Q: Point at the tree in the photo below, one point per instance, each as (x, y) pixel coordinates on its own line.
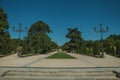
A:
(108, 44)
(24, 50)
(54, 46)
(76, 41)
(117, 48)
(96, 48)
(39, 41)
(114, 36)
(4, 34)
(3, 21)
(89, 47)
(112, 45)
(13, 44)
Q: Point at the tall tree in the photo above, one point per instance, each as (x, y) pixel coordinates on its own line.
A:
(39, 41)
(76, 41)
(3, 21)
(4, 34)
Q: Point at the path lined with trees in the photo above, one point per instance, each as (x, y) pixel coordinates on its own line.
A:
(43, 61)
(77, 44)
(38, 42)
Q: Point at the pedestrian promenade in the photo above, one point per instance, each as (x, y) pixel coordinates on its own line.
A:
(41, 61)
(38, 67)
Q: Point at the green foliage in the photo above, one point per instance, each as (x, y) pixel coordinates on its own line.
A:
(114, 36)
(89, 47)
(38, 41)
(4, 34)
(109, 42)
(53, 46)
(3, 21)
(61, 55)
(112, 45)
(76, 41)
(24, 48)
(96, 48)
(13, 44)
(117, 48)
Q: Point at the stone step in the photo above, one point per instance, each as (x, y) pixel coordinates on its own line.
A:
(51, 75)
(108, 79)
(59, 71)
(48, 79)
(61, 74)
(57, 74)
(60, 79)
(3, 72)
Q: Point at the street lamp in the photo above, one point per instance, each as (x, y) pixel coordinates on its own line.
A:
(101, 30)
(19, 30)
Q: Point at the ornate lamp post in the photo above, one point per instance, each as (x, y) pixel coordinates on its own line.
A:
(101, 31)
(19, 30)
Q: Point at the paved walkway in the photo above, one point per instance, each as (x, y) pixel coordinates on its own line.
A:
(108, 61)
(14, 60)
(41, 61)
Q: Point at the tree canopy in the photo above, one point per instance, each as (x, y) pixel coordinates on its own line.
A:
(38, 40)
(76, 41)
(4, 34)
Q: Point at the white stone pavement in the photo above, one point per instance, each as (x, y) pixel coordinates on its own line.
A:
(41, 61)
(108, 61)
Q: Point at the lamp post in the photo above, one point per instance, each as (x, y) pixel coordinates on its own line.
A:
(19, 30)
(101, 31)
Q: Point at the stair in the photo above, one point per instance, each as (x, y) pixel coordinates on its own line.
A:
(58, 74)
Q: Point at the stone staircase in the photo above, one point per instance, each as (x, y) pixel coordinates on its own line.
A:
(57, 74)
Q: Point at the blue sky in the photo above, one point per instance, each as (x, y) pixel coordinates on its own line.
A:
(63, 14)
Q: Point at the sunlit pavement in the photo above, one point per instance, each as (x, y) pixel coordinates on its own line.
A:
(41, 61)
(107, 61)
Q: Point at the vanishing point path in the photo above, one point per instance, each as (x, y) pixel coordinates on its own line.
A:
(39, 68)
(41, 61)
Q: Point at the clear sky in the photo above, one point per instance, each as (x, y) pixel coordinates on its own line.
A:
(63, 14)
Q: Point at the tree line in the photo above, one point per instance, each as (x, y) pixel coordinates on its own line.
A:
(37, 41)
(77, 44)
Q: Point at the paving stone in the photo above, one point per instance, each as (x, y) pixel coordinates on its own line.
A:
(59, 74)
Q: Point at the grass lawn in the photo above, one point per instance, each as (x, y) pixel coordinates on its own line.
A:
(61, 55)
